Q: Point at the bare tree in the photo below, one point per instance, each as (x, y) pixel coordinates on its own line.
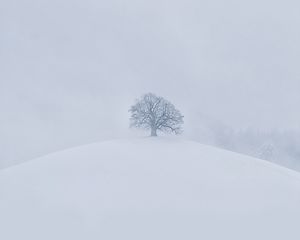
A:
(267, 152)
(154, 113)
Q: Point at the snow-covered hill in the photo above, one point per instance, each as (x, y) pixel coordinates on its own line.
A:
(142, 189)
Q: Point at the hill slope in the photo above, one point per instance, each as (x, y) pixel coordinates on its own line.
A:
(148, 189)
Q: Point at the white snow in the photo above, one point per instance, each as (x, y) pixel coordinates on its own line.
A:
(149, 188)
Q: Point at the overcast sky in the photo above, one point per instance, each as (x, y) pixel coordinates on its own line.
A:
(69, 70)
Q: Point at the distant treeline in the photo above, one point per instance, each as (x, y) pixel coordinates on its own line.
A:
(281, 147)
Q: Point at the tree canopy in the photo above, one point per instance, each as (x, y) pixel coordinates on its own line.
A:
(155, 113)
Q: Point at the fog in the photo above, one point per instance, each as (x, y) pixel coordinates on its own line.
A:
(69, 70)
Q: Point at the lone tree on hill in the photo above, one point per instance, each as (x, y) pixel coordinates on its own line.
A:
(155, 113)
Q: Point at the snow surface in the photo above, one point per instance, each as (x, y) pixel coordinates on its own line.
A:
(150, 188)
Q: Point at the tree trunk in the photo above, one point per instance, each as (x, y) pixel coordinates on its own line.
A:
(153, 132)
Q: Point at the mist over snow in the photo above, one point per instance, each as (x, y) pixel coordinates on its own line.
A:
(70, 70)
(83, 85)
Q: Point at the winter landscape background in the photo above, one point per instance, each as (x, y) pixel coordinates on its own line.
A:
(69, 71)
